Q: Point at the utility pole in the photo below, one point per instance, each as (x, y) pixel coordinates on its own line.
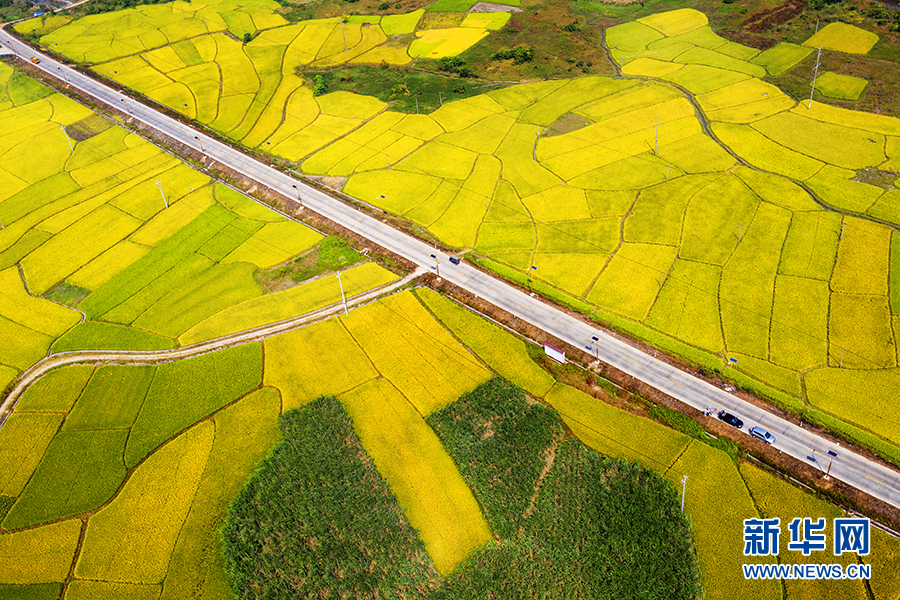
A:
(63, 127)
(683, 488)
(417, 105)
(159, 185)
(833, 455)
(344, 298)
(441, 98)
(127, 107)
(299, 198)
(815, 74)
(531, 278)
(596, 342)
(197, 137)
(63, 73)
(656, 143)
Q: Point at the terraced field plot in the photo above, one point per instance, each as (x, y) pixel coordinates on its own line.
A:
(90, 229)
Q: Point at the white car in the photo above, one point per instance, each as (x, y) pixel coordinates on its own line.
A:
(761, 434)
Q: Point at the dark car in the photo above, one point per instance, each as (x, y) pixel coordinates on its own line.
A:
(761, 434)
(730, 419)
(454, 260)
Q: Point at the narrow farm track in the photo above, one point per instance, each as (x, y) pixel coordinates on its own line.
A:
(160, 356)
(872, 477)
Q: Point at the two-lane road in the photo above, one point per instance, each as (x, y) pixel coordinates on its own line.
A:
(867, 475)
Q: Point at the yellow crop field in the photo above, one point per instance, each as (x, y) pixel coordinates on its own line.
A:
(700, 78)
(401, 24)
(799, 335)
(410, 349)
(502, 351)
(572, 272)
(811, 245)
(615, 432)
(440, 160)
(101, 269)
(843, 37)
(41, 555)
(714, 58)
(882, 124)
(559, 203)
(303, 368)
(435, 498)
(519, 167)
(676, 22)
(438, 43)
(860, 331)
(650, 67)
(855, 149)
(461, 114)
(861, 396)
(630, 284)
(781, 378)
(67, 252)
(395, 191)
(35, 313)
(23, 440)
(632, 37)
(688, 305)
(763, 153)
(458, 225)
(842, 87)
(131, 539)
(288, 303)
(484, 136)
(862, 258)
(835, 187)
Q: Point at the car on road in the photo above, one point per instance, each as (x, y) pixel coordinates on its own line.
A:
(761, 434)
(454, 260)
(730, 419)
(35, 60)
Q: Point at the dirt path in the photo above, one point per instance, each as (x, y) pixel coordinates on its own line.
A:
(140, 357)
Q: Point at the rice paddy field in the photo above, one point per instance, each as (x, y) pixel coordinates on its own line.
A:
(93, 259)
(128, 471)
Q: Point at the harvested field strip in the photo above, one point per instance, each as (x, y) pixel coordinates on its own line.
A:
(410, 349)
(408, 454)
(131, 539)
(502, 351)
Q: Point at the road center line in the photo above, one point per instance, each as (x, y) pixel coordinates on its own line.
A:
(675, 382)
(631, 361)
(875, 480)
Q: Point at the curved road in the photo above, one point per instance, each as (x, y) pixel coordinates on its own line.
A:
(867, 475)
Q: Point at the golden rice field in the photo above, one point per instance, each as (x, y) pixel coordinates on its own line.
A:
(91, 257)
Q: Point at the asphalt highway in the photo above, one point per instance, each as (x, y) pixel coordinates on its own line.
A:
(867, 475)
